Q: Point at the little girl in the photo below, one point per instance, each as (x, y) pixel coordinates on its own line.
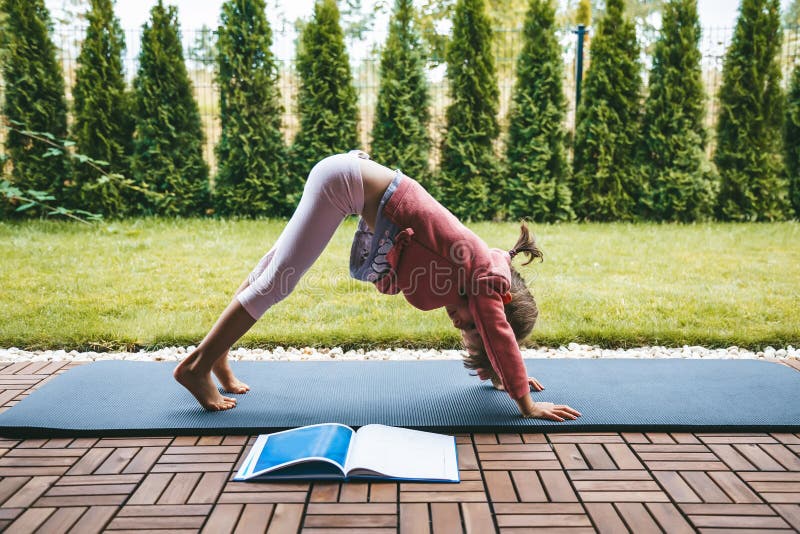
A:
(406, 241)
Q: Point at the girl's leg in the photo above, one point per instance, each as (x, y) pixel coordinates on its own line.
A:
(222, 369)
(333, 190)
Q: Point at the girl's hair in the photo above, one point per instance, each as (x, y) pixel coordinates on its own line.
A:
(521, 312)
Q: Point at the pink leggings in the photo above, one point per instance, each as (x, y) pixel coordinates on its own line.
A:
(334, 189)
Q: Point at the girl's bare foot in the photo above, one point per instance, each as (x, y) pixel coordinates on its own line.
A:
(200, 385)
(224, 374)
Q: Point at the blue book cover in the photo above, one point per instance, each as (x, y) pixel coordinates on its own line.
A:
(335, 451)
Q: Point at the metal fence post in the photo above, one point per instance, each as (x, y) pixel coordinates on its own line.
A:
(581, 32)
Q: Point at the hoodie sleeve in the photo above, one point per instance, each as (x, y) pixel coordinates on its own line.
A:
(486, 306)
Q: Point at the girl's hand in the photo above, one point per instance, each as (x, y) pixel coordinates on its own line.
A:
(535, 384)
(531, 381)
(546, 410)
(554, 412)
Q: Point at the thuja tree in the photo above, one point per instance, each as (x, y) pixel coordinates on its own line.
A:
(103, 126)
(326, 100)
(251, 155)
(536, 184)
(168, 155)
(400, 132)
(469, 169)
(748, 154)
(606, 185)
(791, 140)
(679, 176)
(33, 98)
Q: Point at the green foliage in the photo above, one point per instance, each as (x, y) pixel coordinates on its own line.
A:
(469, 168)
(33, 96)
(748, 155)
(583, 14)
(676, 170)
(791, 140)
(327, 100)
(400, 132)
(606, 186)
(204, 48)
(356, 21)
(30, 200)
(536, 186)
(103, 126)
(251, 154)
(168, 146)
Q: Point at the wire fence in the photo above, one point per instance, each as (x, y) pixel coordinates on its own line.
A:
(365, 63)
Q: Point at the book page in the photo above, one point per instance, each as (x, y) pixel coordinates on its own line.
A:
(403, 453)
(327, 442)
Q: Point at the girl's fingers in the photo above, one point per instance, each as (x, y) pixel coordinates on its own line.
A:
(568, 415)
(535, 384)
(567, 409)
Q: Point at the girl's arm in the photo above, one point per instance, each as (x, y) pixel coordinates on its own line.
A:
(486, 306)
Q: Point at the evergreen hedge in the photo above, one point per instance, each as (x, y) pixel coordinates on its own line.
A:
(536, 185)
(470, 175)
(400, 133)
(748, 154)
(327, 102)
(103, 126)
(33, 97)
(679, 176)
(606, 186)
(791, 140)
(251, 155)
(168, 157)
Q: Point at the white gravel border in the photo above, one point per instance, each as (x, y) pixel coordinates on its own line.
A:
(573, 350)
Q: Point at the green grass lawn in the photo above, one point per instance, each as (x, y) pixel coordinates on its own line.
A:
(154, 282)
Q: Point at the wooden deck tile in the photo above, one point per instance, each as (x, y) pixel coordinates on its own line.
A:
(606, 518)
(637, 517)
(758, 457)
(732, 485)
(94, 519)
(596, 456)
(179, 488)
(30, 520)
(30, 491)
(208, 488)
(557, 486)
(705, 487)
(529, 486)
(790, 513)
(254, 518)
(414, 518)
(383, 492)
(446, 518)
(677, 488)
(570, 456)
(223, 518)
(500, 486)
(286, 518)
(669, 518)
(62, 520)
(354, 492)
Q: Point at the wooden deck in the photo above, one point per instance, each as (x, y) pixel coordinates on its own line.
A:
(598, 482)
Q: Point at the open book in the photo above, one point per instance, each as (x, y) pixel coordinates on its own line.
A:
(334, 451)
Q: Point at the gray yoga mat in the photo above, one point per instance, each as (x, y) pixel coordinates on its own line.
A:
(117, 398)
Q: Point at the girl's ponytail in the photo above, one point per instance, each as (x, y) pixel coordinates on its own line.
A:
(526, 244)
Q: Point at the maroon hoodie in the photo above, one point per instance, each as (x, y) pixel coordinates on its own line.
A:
(437, 261)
